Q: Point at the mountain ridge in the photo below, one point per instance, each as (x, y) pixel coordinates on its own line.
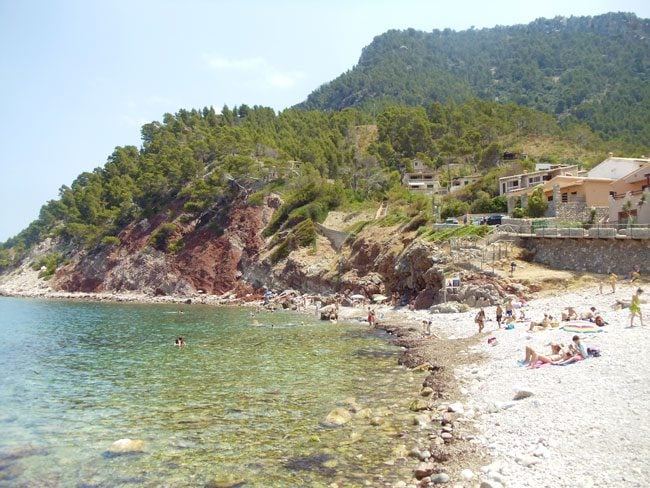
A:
(578, 68)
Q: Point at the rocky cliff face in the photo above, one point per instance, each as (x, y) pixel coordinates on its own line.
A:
(210, 258)
(224, 251)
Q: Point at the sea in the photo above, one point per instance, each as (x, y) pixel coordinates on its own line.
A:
(242, 404)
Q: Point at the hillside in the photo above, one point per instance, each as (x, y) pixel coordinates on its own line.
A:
(591, 69)
(219, 201)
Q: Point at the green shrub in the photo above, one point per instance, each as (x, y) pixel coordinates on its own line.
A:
(302, 235)
(459, 231)
(175, 246)
(111, 241)
(418, 222)
(160, 238)
(518, 213)
(46, 265)
(194, 206)
(394, 218)
(256, 199)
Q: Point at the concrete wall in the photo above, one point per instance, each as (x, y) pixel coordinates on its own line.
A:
(591, 255)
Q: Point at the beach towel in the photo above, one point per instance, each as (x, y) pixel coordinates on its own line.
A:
(580, 326)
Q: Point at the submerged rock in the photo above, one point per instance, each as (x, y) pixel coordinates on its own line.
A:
(337, 417)
(124, 446)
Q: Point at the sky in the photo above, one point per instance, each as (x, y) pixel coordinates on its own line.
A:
(80, 77)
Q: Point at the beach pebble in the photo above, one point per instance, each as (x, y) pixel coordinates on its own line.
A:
(526, 460)
(421, 420)
(419, 405)
(541, 451)
(456, 408)
(521, 394)
(423, 470)
(490, 484)
(440, 478)
(426, 391)
(467, 474)
(364, 413)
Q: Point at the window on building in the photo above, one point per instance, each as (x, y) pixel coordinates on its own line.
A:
(565, 197)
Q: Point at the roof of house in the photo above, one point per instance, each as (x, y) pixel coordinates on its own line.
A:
(562, 181)
(616, 168)
(638, 174)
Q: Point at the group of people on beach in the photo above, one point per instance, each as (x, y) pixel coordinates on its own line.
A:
(559, 355)
(507, 317)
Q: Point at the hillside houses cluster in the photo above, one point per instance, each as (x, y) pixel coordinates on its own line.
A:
(616, 191)
(426, 180)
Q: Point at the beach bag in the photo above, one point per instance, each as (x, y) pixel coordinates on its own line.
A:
(593, 352)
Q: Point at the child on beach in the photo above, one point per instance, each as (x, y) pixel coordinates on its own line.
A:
(499, 313)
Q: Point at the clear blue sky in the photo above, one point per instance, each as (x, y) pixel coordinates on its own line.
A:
(79, 77)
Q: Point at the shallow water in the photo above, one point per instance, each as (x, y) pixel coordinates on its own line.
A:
(241, 403)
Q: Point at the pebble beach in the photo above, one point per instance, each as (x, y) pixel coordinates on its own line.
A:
(580, 425)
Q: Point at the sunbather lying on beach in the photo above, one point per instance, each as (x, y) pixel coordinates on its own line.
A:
(570, 314)
(544, 324)
(533, 357)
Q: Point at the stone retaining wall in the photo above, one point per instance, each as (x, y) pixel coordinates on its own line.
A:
(591, 255)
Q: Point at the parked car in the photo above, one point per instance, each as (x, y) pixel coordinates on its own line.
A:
(451, 221)
(494, 219)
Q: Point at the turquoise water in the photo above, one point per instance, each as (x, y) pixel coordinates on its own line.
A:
(240, 405)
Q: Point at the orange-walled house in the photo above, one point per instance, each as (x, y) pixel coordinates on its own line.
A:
(570, 197)
(629, 197)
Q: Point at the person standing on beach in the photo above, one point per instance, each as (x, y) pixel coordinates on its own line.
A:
(613, 279)
(499, 313)
(480, 320)
(509, 308)
(635, 307)
(371, 317)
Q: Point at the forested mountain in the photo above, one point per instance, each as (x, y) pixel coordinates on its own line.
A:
(593, 69)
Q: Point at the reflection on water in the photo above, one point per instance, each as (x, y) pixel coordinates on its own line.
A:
(241, 404)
